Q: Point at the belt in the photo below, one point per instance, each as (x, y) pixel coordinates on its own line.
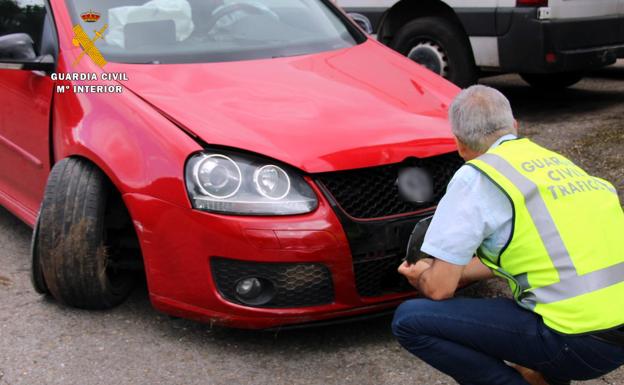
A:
(615, 337)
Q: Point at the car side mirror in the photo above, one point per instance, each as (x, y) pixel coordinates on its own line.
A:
(363, 21)
(17, 51)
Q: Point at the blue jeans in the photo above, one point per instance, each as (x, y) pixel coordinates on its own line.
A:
(468, 339)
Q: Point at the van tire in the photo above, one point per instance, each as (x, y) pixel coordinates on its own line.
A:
(71, 241)
(436, 33)
(555, 81)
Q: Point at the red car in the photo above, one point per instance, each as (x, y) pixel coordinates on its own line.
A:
(262, 162)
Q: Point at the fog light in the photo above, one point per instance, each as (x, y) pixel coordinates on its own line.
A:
(255, 291)
(249, 288)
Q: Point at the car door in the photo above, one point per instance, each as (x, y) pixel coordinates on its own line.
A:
(25, 107)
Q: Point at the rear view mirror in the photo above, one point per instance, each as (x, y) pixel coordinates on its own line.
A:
(17, 51)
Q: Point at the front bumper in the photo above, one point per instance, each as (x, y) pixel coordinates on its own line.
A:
(530, 45)
(180, 244)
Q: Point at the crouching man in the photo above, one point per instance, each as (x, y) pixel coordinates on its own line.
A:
(538, 220)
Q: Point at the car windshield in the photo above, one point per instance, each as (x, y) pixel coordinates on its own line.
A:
(191, 31)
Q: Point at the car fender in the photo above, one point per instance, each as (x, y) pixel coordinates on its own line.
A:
(139, 149)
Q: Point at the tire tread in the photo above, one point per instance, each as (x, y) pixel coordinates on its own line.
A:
(71, 237)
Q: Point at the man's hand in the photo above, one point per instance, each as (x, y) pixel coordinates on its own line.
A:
(433, 278)
(413, 271)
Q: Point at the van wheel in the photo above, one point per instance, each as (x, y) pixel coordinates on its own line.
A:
(439, 45)
(554, 81)
(72, 246)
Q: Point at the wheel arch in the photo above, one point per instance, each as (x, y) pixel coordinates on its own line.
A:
(137, 149)
(116, 202)
(405, 11)
(108, 173)
(135, 146)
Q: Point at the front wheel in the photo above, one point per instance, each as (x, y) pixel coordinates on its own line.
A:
(36, 273)
(71, 243)
(439, 45)
(555, 81)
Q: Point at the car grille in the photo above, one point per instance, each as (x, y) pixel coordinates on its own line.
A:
(376, 273)
(296, 284)
(378, 246)
(372, 192)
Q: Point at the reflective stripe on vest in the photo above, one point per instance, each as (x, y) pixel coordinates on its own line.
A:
(572, 284)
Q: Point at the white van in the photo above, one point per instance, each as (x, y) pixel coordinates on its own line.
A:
(549, 42)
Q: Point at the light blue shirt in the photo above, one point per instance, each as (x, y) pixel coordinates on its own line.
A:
(474, 212)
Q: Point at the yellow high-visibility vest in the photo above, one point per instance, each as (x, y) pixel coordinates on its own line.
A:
(565, 257)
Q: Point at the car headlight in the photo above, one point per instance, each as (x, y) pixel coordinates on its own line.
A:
(230, 183)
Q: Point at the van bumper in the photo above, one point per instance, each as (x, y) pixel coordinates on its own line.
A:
(545, 46)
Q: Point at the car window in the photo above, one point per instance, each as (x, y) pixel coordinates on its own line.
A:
(186, 31)
(23, 16)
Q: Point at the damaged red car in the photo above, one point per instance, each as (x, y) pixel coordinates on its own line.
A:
(261, 162)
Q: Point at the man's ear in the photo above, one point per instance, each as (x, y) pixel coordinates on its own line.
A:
(516, 126)
(465, 152)
(462, 148)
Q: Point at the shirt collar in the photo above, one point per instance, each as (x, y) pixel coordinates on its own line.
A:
(502, 139)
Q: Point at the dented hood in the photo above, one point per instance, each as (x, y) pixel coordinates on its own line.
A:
(351, 108)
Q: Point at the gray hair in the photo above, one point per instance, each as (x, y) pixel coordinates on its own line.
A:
(479, 115)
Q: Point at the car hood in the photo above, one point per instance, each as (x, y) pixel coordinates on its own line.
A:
(351, 108)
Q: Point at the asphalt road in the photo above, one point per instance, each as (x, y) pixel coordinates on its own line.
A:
(43, 343)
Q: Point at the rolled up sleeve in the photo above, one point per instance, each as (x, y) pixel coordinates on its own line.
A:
(463, 219)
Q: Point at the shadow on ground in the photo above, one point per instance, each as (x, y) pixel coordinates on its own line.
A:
(532, 104)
